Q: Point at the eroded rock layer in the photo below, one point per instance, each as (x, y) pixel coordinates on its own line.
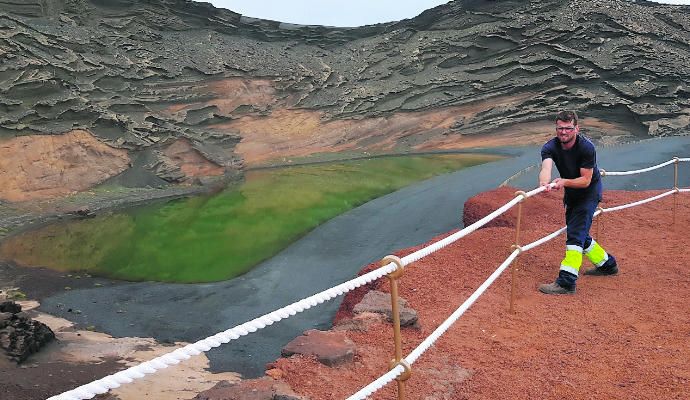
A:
(47, 166)
(179, 84)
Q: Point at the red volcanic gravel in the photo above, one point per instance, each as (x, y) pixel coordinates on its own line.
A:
(620, 337)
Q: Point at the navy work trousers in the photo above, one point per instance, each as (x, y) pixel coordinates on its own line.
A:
(578, 217)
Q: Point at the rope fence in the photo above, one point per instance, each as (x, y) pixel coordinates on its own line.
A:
(639, 171)
(427, 343)
(393, 268)
(639, 203)
(431, 339)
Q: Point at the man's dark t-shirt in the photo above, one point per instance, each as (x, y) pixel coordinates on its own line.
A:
(569, 162)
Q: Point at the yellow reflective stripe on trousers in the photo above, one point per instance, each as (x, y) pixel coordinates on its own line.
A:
(572, 261)
(596, 254)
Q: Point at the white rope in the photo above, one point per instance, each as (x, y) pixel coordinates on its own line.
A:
(639, 171)
(637, 203)
(684, 190)
(100, 386)
(382, 381)
(544, 239)
(550, 236)
(421, 253)
(538, 190)
(428, 342)
(683, 159)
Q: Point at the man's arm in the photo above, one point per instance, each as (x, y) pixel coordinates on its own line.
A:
(545, 173)
(578, 183)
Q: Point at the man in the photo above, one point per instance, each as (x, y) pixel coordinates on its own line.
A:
(576, 161)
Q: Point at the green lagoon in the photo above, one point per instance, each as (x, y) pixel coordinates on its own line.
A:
(216, 237)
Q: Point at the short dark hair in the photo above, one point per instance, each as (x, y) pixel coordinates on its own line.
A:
(567, 116)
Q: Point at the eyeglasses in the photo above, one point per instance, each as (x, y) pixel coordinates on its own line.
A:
(566, 128)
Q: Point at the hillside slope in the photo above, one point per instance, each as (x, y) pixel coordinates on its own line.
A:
(182, 91)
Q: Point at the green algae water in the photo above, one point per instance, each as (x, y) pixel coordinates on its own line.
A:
(217, 237)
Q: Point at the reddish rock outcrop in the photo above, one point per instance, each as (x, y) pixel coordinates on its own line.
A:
(191, 162)
(40, 167)
(330, 348)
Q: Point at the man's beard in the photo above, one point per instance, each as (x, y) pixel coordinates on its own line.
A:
(567, 141)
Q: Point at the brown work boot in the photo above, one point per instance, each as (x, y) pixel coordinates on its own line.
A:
(554, 288)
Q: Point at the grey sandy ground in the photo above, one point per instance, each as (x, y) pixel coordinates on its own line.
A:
(329, 255)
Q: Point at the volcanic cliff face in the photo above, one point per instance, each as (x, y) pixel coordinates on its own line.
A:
(178, 89)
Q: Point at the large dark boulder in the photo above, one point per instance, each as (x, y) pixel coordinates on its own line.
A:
(20, 336)
(10, 307)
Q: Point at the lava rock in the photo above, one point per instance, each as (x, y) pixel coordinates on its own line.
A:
(380, 303)
(20, 336)
(360, 322)
(10, 307)
(330, 348)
